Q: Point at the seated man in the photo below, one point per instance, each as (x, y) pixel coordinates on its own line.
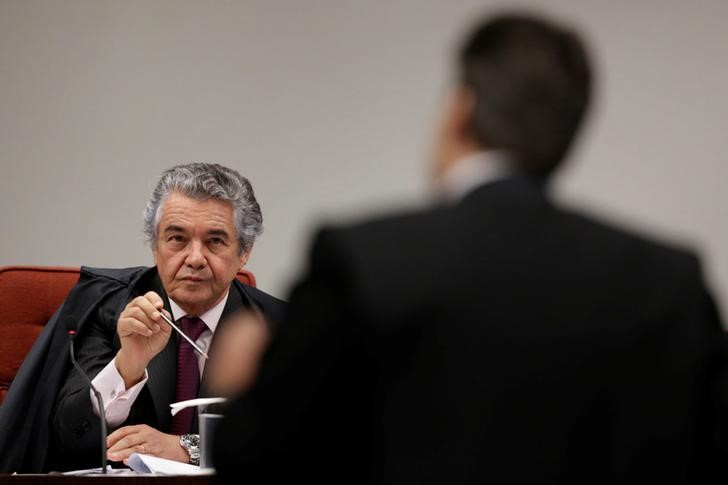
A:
(201, 222)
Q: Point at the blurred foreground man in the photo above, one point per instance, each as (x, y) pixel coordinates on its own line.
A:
(498, 338)
(201, 222)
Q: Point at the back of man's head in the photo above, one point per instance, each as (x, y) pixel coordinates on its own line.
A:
(531, 81)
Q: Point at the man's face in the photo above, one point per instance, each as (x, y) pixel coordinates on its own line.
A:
(196, 251)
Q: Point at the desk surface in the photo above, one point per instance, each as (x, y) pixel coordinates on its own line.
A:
(109, 479)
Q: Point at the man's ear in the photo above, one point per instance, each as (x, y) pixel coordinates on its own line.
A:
(461, 113)
(455, 138)
(245, 257)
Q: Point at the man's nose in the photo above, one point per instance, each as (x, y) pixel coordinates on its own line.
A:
(196, 256)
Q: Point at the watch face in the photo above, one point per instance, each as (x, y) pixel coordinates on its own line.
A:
(191, 440)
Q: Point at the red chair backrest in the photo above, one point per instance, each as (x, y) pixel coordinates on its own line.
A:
(29, 295)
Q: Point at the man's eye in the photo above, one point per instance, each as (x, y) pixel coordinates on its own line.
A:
(217, 241)
(176, 238)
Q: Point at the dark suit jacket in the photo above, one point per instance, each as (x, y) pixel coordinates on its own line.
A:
(61, 420)
(500, 340)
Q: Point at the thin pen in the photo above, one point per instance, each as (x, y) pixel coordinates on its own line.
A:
(179, 331)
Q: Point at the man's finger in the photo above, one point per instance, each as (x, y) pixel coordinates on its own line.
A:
(134, 326)
(124, 443)
(154, 299)
(149, 308)
(121, 433)
(119, 455)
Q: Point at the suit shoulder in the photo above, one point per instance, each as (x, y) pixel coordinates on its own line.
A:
(271, 306)
(260, 295)
(632, 250)
(389, 229)
(124, 276)
(603, 227)
(363, 252)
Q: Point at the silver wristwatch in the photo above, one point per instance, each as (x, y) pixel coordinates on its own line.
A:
(191, 444)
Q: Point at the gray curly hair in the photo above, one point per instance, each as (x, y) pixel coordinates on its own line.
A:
(204, 181)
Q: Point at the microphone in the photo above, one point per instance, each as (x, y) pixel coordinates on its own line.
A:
(72, 336)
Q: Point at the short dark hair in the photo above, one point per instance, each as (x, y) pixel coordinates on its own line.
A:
(532, 82)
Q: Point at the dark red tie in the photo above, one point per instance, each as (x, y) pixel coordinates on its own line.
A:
(188, 374)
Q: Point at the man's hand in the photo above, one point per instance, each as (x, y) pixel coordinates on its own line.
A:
(143, 335)
(239, 347)
(145, 440)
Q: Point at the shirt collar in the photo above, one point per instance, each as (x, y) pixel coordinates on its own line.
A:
(211, 317)
(473, 171)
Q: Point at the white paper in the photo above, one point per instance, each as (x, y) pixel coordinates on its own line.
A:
(153, 464)
(96, 471)
(203, 401)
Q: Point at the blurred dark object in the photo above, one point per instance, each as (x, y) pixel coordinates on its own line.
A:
(499, 339)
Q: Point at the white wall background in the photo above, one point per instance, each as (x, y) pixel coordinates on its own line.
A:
(328, 106)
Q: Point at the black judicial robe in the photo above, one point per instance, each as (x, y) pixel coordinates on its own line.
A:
(25, 428)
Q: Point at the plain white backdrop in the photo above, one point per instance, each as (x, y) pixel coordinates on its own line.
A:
(328, 107)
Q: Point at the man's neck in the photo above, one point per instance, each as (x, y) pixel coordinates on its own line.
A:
(471, 171)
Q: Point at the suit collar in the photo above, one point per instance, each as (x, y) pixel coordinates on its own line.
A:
(472, 171)
(516, 187)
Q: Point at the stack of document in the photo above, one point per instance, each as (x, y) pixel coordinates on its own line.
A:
(148, 465)
(153, 464)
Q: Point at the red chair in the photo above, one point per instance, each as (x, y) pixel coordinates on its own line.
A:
(29, 295)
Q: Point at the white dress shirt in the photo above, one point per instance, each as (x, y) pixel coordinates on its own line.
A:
(472, 171)
(117, 399)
